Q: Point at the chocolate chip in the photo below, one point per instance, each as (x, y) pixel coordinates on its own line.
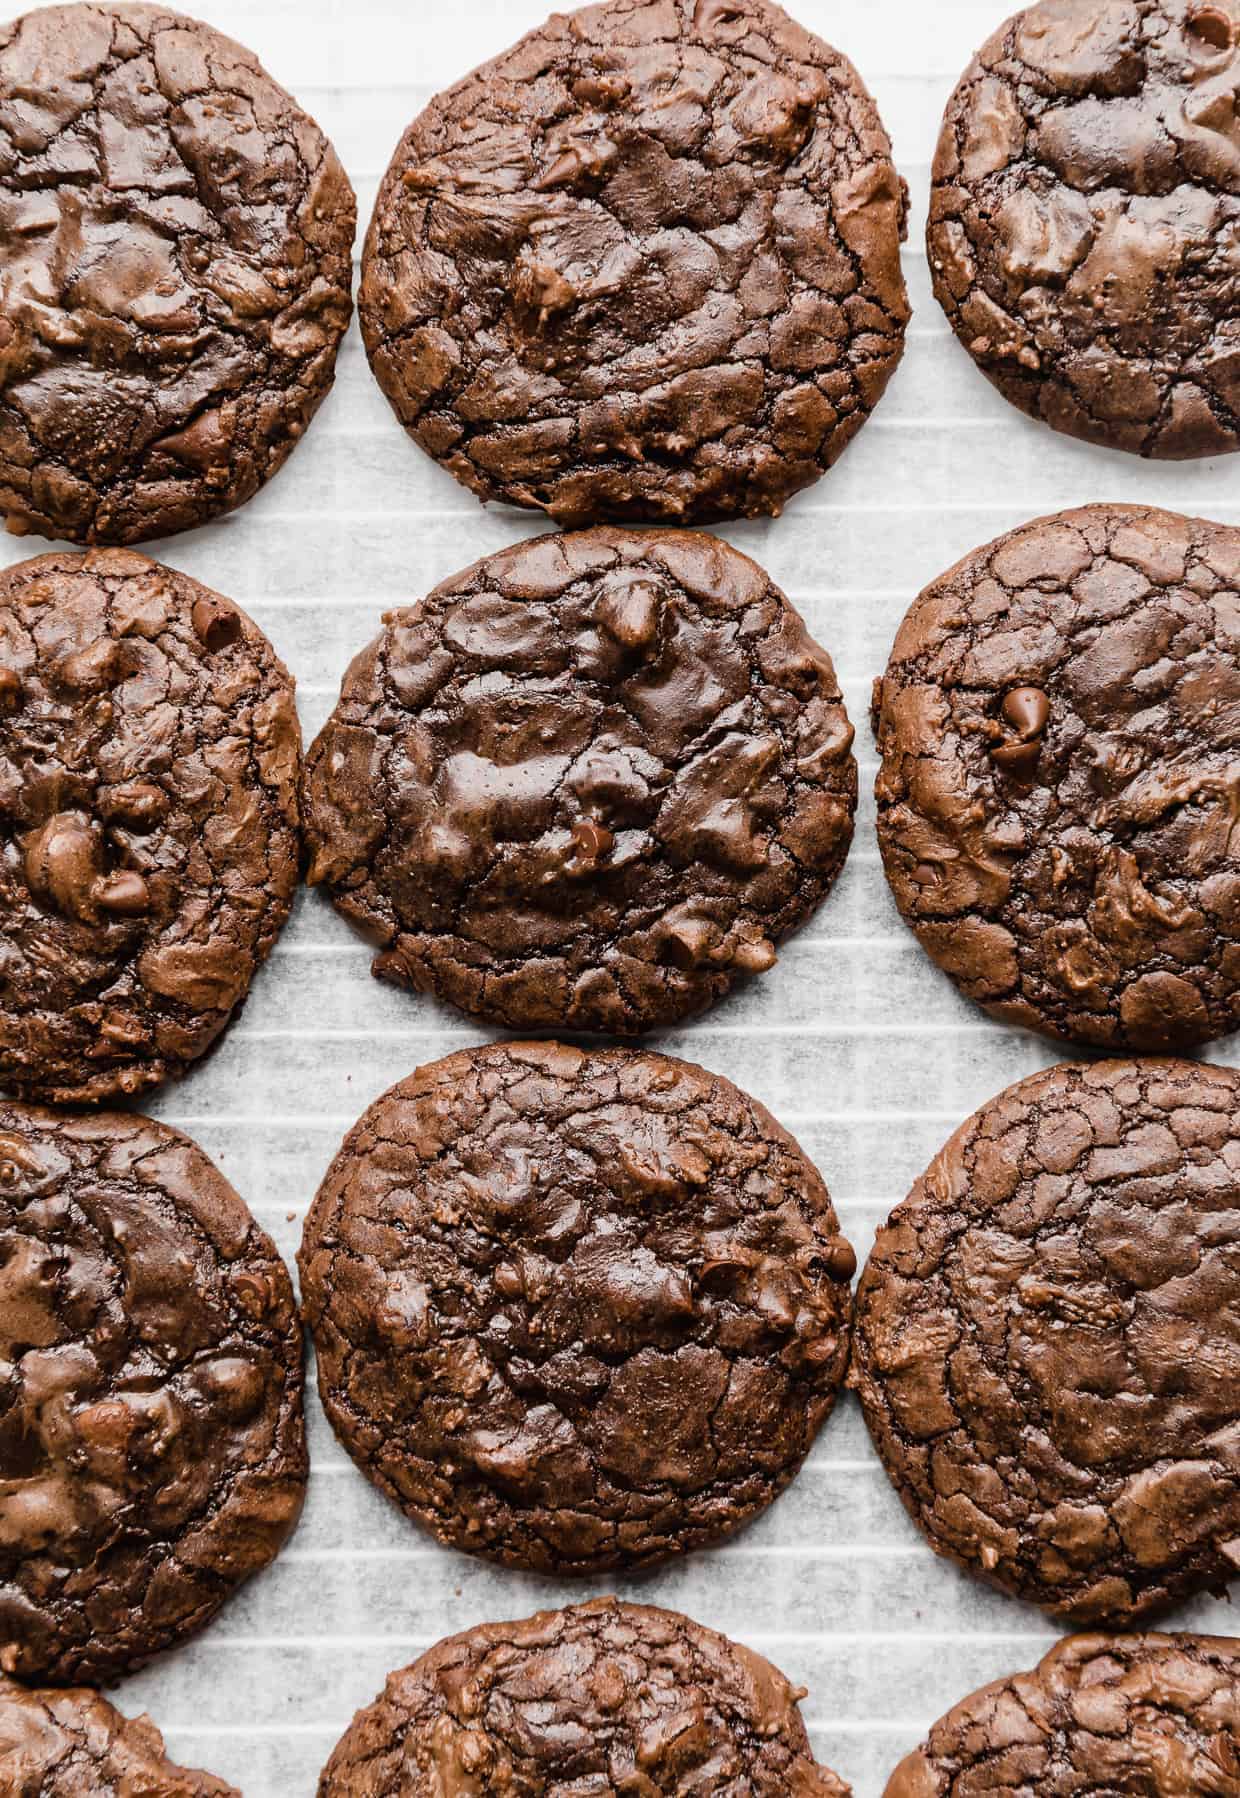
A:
(124, 894)
(216, 623)
(1027, 710)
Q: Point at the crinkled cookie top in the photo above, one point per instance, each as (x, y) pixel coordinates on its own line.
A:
(152, 1453)
(575, 1311)
(1047, 1339)
(586, 784)
(600, 1697)
(1084, 217)
(644, 265)
(1059, 727)
(176, 243)
(150, 756)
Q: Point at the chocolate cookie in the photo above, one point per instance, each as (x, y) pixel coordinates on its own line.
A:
(586, 783)
(175, 269)
(1059, 727)
(1159, 1715)
(575, 1310)
(601, 1697)
(644, 265)
(74, 1744)
(1047, 1339)
(149, 764)
(1082, 223)
(151, 1442)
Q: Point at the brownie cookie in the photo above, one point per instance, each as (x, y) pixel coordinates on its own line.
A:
(585, 784)
(1159, 1715)
(150, 756)
(152, 1453)
(175, 272)
(1085, 205)
(1047, 1339)
(575, 1310)
(74, 1744)
(1060, 736)
(600, 1697)
(644, 265)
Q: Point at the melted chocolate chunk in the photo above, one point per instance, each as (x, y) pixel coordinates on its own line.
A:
(575, 1311)
(1047, 1339)
(644, 265)
(152, 1454)
(1060, 784)
(601, 1697)
(150, 756)
(1083, 218)
(585, 784)
(74, 1744)
(1152, 1714)
(175, 272)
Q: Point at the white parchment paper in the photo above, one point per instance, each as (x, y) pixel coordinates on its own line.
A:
(854, 1040)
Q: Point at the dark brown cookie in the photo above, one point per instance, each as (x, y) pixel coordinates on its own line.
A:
(175, 270)
(58, 1743)
(575, 1310)
(644, 265)
(600, 1697)
(1047, 1339)
(1057, 801)
(585, 784)
(1083, 218)
(1158, 1715)
(150, 756)
(152, 1454)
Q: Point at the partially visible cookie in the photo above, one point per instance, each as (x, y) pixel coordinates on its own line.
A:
(150, 757)
(1059, 727)
(575, 1310)
(58, 1743)
(1159, 1715)
(152, 1452)
(601, 1697)
(587, 783)
(1083, 220)
(1047, 1339)
(175, 272)
(644, 265)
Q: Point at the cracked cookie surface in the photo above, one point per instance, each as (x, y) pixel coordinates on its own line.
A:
(1047, 1339)
(1059, 727)
(175, 272)
(599, 1697)
(575, 1310)
(71, 1743)
(1151, 1714)
(152, 1452)
(644, 265)
(150, 757)
(1084, 218)
(586, 784)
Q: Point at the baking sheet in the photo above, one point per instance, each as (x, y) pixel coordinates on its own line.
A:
(855, 1041)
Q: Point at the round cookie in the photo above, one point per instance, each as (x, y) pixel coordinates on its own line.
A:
(1085, 201)
(644, 265)
(1047, 1339)
(152, 1452)
(175, 272)
(58, 1743)
(600, 1697)
(575, 1310)
(1158, 1715)
(150, 756)
(1056, 802)
(585, 784)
